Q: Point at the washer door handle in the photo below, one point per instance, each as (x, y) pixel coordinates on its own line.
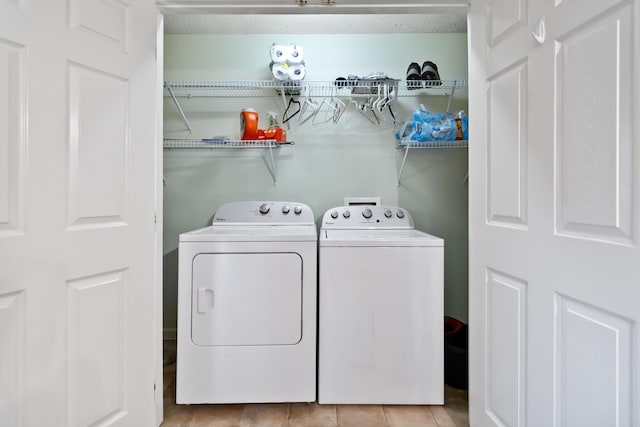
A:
(205, 302)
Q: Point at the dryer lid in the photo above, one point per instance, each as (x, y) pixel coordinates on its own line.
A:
(238, 233)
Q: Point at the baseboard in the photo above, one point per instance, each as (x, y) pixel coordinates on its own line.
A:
(170, 333)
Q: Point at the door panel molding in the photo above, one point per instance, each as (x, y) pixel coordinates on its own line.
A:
(96, 331)
(504, 18)
(592, 339)
(105, 20)
(12, 354)
(507, 119)
(20, 5)
(98, 148)
(594, 139)
(13, 138)
(506, 308)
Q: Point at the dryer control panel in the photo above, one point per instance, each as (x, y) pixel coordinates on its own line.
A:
(356, 217)
(263, 213)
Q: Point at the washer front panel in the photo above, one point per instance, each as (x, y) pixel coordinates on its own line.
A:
(380, 325)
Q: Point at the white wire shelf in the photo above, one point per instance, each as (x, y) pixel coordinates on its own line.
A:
(216, 143)
(408, 144)
(432, 144)
(245, 88)
(266, 88)
(430, 87)
(228, 143)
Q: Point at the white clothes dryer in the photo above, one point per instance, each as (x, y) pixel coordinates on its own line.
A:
(247, 306)
(380, 309)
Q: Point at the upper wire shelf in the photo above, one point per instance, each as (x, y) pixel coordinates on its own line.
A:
(429, 87)
(268, 88)
(244, 88)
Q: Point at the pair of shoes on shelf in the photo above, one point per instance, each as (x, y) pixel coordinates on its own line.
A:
(428, 73)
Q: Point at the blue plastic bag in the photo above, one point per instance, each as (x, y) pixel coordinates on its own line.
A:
(425, 126)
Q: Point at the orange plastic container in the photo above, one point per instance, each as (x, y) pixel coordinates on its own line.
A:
(249, 124)
(278, 134)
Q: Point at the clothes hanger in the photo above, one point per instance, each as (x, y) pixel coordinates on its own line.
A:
(384, 100)
(340, 108)
(329, 111)
(286, 116)
(307, 105)
(333, 108)
(364, 107)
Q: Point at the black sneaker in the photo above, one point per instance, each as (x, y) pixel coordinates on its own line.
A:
(430, 73)
(413, 76)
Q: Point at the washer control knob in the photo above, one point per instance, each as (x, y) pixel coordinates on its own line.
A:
(297, 209)
(388, 213)
(400, 214)
(264, 209)
(286, 209)
(346, 214)
(334, 214)
(367, 213)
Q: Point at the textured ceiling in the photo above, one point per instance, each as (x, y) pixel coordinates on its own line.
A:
(315, 24)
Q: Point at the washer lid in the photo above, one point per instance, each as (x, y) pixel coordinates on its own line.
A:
(265, 233)
(369, 237)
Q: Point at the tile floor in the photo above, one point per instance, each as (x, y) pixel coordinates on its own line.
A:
(453, 414)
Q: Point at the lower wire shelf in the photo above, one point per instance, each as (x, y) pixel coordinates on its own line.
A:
(407, 144)
(433, 144)
(223, 143)
(220, 143)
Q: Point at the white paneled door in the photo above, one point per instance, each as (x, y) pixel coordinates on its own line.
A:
(555, 213)
(78, 189)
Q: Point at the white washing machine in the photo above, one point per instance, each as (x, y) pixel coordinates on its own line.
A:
(380, 309)
(247, 306)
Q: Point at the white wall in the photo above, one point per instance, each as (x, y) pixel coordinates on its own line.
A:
(328, 161)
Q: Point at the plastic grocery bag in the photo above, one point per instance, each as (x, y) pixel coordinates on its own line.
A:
(425, 126)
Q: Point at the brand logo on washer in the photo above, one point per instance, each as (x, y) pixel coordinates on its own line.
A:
(221, 219)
